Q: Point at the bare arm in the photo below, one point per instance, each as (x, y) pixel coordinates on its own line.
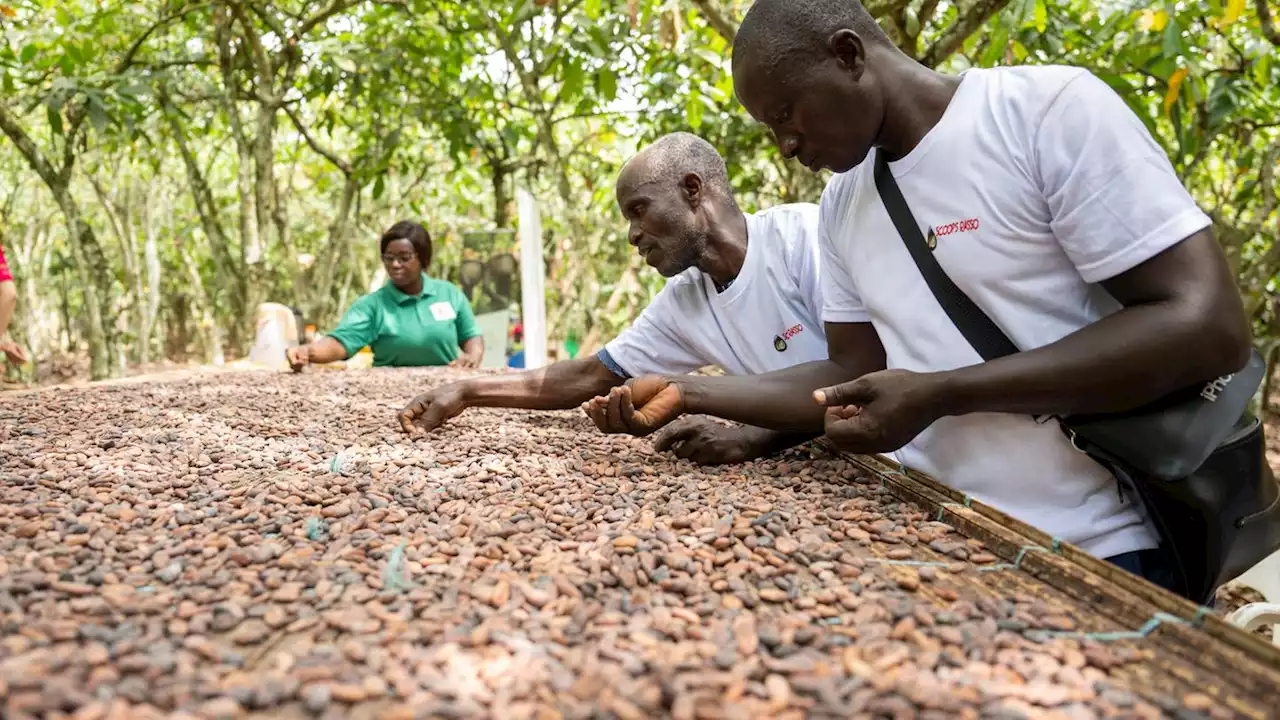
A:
(472, 353)
(8, 301)
(781, 400)
(1182, 323)
(558, 386)
(324, 350)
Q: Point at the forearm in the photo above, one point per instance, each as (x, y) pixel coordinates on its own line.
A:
(559, 386)
(1122, 362)
(764, 442)
(8, 301)
(326, 350)
(473, 347)
(781, 400)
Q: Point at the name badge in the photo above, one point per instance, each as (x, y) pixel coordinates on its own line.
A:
(443, 311)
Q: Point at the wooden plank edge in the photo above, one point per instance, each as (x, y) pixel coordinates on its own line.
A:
(1246, 661)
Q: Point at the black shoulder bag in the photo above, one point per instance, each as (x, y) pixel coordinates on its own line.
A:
(1195, 457)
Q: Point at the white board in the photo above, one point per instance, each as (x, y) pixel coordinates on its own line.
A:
(533, 280)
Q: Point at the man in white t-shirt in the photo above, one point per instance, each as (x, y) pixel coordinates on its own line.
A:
(743, 294)
(1048, 203)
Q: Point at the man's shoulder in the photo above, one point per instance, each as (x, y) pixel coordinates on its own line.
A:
(790, 224)
(1024, 93)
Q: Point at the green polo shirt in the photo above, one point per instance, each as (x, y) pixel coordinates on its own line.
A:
(409, 330)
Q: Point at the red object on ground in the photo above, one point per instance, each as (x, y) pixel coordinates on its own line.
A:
(4, 267)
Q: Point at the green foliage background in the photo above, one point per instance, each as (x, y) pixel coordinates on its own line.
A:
(166, 165)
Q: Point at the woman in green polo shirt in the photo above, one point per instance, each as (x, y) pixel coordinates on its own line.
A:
(412, 320)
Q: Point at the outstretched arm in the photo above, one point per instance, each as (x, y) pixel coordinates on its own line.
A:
(781, 400)
(324, 350)
(558, 386)
(1182, 323)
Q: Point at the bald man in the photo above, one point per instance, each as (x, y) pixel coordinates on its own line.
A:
(1046, 202)
(743, 294)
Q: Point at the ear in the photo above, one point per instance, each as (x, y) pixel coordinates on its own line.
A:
(846, 45)
(691, 187)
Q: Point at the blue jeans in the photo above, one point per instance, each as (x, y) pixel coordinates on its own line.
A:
(1155, 565)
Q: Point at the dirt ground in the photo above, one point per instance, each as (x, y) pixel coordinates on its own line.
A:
(268, 545)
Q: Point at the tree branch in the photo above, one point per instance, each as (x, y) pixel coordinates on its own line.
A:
(334, 8)
(1268, 24)
(133, 50)
(967, 24)
(12, 127)
(328, 154)
(716, 19)
(266, 75)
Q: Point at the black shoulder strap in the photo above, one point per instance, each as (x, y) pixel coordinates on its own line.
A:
(977, 328)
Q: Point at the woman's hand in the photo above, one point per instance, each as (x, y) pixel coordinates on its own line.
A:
(299, 357)
(467, 360)
(13, 351)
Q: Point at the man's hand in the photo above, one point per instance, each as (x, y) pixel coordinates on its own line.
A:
(882, 411)
(706, 442)
(299, 357)
(431, 409)
(13, 351)
(638, 408)
(466, 361)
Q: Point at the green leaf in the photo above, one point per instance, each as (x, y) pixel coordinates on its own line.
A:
(573, 80)
(97, 113)
(693, 111)
(607, 83)
(55, 120)
(135, 90)
(64, 17)
(379, 186)
(28, 53)
(1041, 16)
(1172, 45)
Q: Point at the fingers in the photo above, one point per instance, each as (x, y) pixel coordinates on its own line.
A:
(409, 413)
(851, 393)
(619, 410)
(672, 436)
(595, 409)
(853, 432)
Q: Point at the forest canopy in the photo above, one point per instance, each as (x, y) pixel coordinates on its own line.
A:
(167, 165)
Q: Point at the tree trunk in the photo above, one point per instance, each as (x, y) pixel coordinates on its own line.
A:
(91, 264)
(95, 282)
(151, 256)
(211, 335)
(501, 197)
(337, 247)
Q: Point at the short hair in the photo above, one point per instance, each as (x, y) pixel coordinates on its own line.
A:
(672, 156)
(417, 236)
(778, 32)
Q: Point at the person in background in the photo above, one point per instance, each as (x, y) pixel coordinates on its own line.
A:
(8, 302)
(743, 294)
(412, 320)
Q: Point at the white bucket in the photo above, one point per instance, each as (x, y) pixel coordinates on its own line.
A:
(277, 332)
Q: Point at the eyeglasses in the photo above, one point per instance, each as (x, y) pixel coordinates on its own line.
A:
(402, 259)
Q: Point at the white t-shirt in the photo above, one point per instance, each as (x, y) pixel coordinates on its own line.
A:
(1038, 182)
(767, 319)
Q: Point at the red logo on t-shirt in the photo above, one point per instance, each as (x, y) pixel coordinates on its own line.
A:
(780, 341)
(958, 226)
